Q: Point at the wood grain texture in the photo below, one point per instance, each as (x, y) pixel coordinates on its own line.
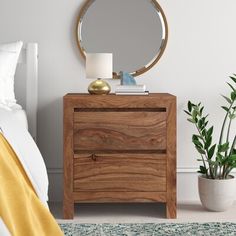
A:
(120, 130)
(68, 203)
(120, 172)
(153, 100)
(137, 164)
(171, 161)
(103, 197)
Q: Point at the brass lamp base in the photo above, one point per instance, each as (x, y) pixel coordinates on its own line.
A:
(99, 87)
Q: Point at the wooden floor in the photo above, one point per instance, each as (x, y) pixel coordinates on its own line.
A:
(142, 213)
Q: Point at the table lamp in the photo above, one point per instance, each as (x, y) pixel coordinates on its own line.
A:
(99, 66)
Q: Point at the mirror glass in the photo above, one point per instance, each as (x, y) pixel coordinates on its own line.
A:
(135, 31)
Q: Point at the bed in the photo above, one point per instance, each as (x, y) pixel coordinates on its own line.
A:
(23, 174)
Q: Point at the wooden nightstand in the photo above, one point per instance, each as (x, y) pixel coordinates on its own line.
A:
(119, 149)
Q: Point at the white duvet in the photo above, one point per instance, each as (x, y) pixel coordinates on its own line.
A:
(27, 151)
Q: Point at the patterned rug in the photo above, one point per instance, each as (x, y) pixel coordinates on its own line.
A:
(165, 229)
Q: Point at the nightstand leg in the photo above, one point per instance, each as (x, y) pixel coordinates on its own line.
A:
(171, 210)
(68, 209)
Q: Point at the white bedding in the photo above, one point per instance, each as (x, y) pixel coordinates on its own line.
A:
(18, 114)
(13, 125)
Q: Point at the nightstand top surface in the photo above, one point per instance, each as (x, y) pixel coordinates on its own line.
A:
(114, 95)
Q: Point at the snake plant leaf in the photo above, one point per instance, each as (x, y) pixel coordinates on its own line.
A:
(227, 99)
(233, 78)
(211, 151)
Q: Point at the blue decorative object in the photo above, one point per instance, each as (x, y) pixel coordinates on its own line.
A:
(126, 78)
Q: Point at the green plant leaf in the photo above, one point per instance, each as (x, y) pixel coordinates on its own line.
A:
(204, 132)
(205, 124)
(232, 157)
(208, 143)
(227, 99)
(211, 151)
(200, 123)
(197, 144)
(201, 110)
(225, 108)
(219, 158)
(195, 137)
(233, 95)
(189, 106)
(233, 78)
(210, 131)
(202, 170)
(188, 113)
(194, 113)
(231, 86)
(232, 116)
(191, 120)
(234, 151)
(223, 147)
(200, 150)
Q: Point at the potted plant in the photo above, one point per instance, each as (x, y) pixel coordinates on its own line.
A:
(216, 185)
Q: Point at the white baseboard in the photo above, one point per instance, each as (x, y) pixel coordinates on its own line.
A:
(187, 184)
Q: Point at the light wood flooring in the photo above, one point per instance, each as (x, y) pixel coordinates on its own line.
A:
(142, 213)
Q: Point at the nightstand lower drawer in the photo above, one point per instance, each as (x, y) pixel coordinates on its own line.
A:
(120, 172)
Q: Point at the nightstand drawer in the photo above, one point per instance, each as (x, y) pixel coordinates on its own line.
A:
(120, 172)
(120, 130)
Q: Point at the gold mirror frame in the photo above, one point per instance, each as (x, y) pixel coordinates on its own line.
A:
(144, 69)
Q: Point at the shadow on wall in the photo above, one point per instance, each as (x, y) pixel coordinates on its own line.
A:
(51, 127)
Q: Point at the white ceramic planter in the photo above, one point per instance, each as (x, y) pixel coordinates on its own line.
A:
(215, 194)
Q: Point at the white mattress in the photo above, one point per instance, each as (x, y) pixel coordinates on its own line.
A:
(17, 114)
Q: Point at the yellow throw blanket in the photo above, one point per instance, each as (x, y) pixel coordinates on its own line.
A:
(20, 208)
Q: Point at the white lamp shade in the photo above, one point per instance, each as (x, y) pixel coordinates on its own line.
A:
(99, 65)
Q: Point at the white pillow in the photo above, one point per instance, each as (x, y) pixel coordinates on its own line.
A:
(9, 54)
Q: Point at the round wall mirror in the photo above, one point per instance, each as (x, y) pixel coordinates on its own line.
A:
(135, 31)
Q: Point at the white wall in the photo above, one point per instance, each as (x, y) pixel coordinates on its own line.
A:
(200, 54)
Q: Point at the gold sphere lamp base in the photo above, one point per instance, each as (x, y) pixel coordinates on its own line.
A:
(99, 87)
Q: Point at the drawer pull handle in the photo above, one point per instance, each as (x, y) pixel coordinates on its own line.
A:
(94, 157)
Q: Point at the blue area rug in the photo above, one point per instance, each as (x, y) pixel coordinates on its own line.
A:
(178, 229)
